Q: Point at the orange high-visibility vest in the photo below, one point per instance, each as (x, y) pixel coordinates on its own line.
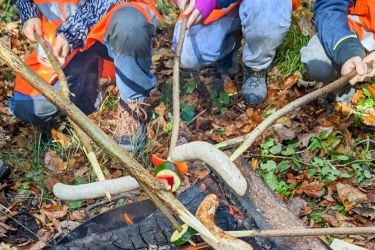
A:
(54, 12)
(219, 13)
(362, 20)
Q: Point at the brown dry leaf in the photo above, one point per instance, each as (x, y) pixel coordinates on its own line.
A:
(306, 25)
(77, 215)
(297, 206)
(312, 189)
(54, 163)
(283, 132)
(63, 140)
(291, 80)
(350, 196)
(254, 164)
(331, 220)
(217, 137)
(230, 87)
(371, 89)
(369, 117)
(344, 108)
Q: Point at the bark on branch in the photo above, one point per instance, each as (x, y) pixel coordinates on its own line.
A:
(176, 86)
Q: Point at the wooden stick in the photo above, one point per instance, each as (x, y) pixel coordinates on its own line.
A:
(135, 169)
(82, 137)
(176, 85)
(250, 138)
(304, 232)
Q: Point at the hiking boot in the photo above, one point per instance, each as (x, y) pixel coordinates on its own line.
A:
(131, 129)
(254, 87)
(4, 171)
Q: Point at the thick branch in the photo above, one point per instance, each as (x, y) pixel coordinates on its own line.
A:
(107, 143)
(250, 138)
(176, 86)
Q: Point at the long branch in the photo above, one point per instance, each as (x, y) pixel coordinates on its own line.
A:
(135, 169)
(304, 232)
(176, 85)
(251, 137)
(82, 137)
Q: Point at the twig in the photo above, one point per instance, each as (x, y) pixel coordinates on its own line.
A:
(304, 232)
(82, 137)
(250, 138)
(135, 169)
(176, 85)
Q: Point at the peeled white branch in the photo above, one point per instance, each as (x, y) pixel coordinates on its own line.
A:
(95, 189)
(205, 214)
(216, 159)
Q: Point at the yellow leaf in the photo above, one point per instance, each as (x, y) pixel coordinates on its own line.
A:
(60, 138)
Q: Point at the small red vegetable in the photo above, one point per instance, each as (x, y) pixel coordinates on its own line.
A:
(168, 178)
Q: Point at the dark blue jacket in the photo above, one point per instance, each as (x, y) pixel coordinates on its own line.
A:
(331, 21)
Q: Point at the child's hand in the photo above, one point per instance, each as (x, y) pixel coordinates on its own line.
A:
(31, 26)
(61, 48)
(356, 63)
(197, 9)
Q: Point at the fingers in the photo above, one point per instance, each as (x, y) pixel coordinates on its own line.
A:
(181, 4)
(30, 27)
(194, 18)
(357, 64)
(61, 48)
(189, 8)
(370, 59)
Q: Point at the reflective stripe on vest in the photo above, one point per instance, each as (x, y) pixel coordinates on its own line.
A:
(367, 37)
(57, 10)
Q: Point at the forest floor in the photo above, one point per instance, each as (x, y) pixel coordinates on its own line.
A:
(321, 164)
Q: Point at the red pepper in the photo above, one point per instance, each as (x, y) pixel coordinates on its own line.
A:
(168, 178)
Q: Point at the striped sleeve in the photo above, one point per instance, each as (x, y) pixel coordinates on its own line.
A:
(27, 9)
(76, 27)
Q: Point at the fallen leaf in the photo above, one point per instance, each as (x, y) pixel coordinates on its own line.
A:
(291, 80)
(312, 189)
(63, 140)
(54, 163)
(77, 215)
(331, 220)
(283, 132)
(297, 205)
(365, 210)
(350, 196)
(230, 87)
(254, 164)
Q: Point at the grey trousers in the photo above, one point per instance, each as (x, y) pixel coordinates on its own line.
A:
(320, 68)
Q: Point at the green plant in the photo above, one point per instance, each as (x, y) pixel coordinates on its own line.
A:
(8, 11)
(288, 57)
(220, 100)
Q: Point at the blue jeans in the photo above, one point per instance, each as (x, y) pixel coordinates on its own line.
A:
(263, 24)
(127, 43)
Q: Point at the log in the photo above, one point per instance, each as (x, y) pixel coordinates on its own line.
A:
(268, 211)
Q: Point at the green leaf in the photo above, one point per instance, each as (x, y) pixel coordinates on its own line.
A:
(346, 175)
(269, 166)
(288, 151)
(75, 204)
(367, 174)
(342, 157)
(312, 171)
(276, 149)
(283, 166)
(190, 88)
(269, 142)
(367, 93)
(271, 180)
(224, 98)
(188, 113)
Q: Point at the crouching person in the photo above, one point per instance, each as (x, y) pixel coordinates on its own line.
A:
(212, 37)
(345, 42)
(83, 34)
